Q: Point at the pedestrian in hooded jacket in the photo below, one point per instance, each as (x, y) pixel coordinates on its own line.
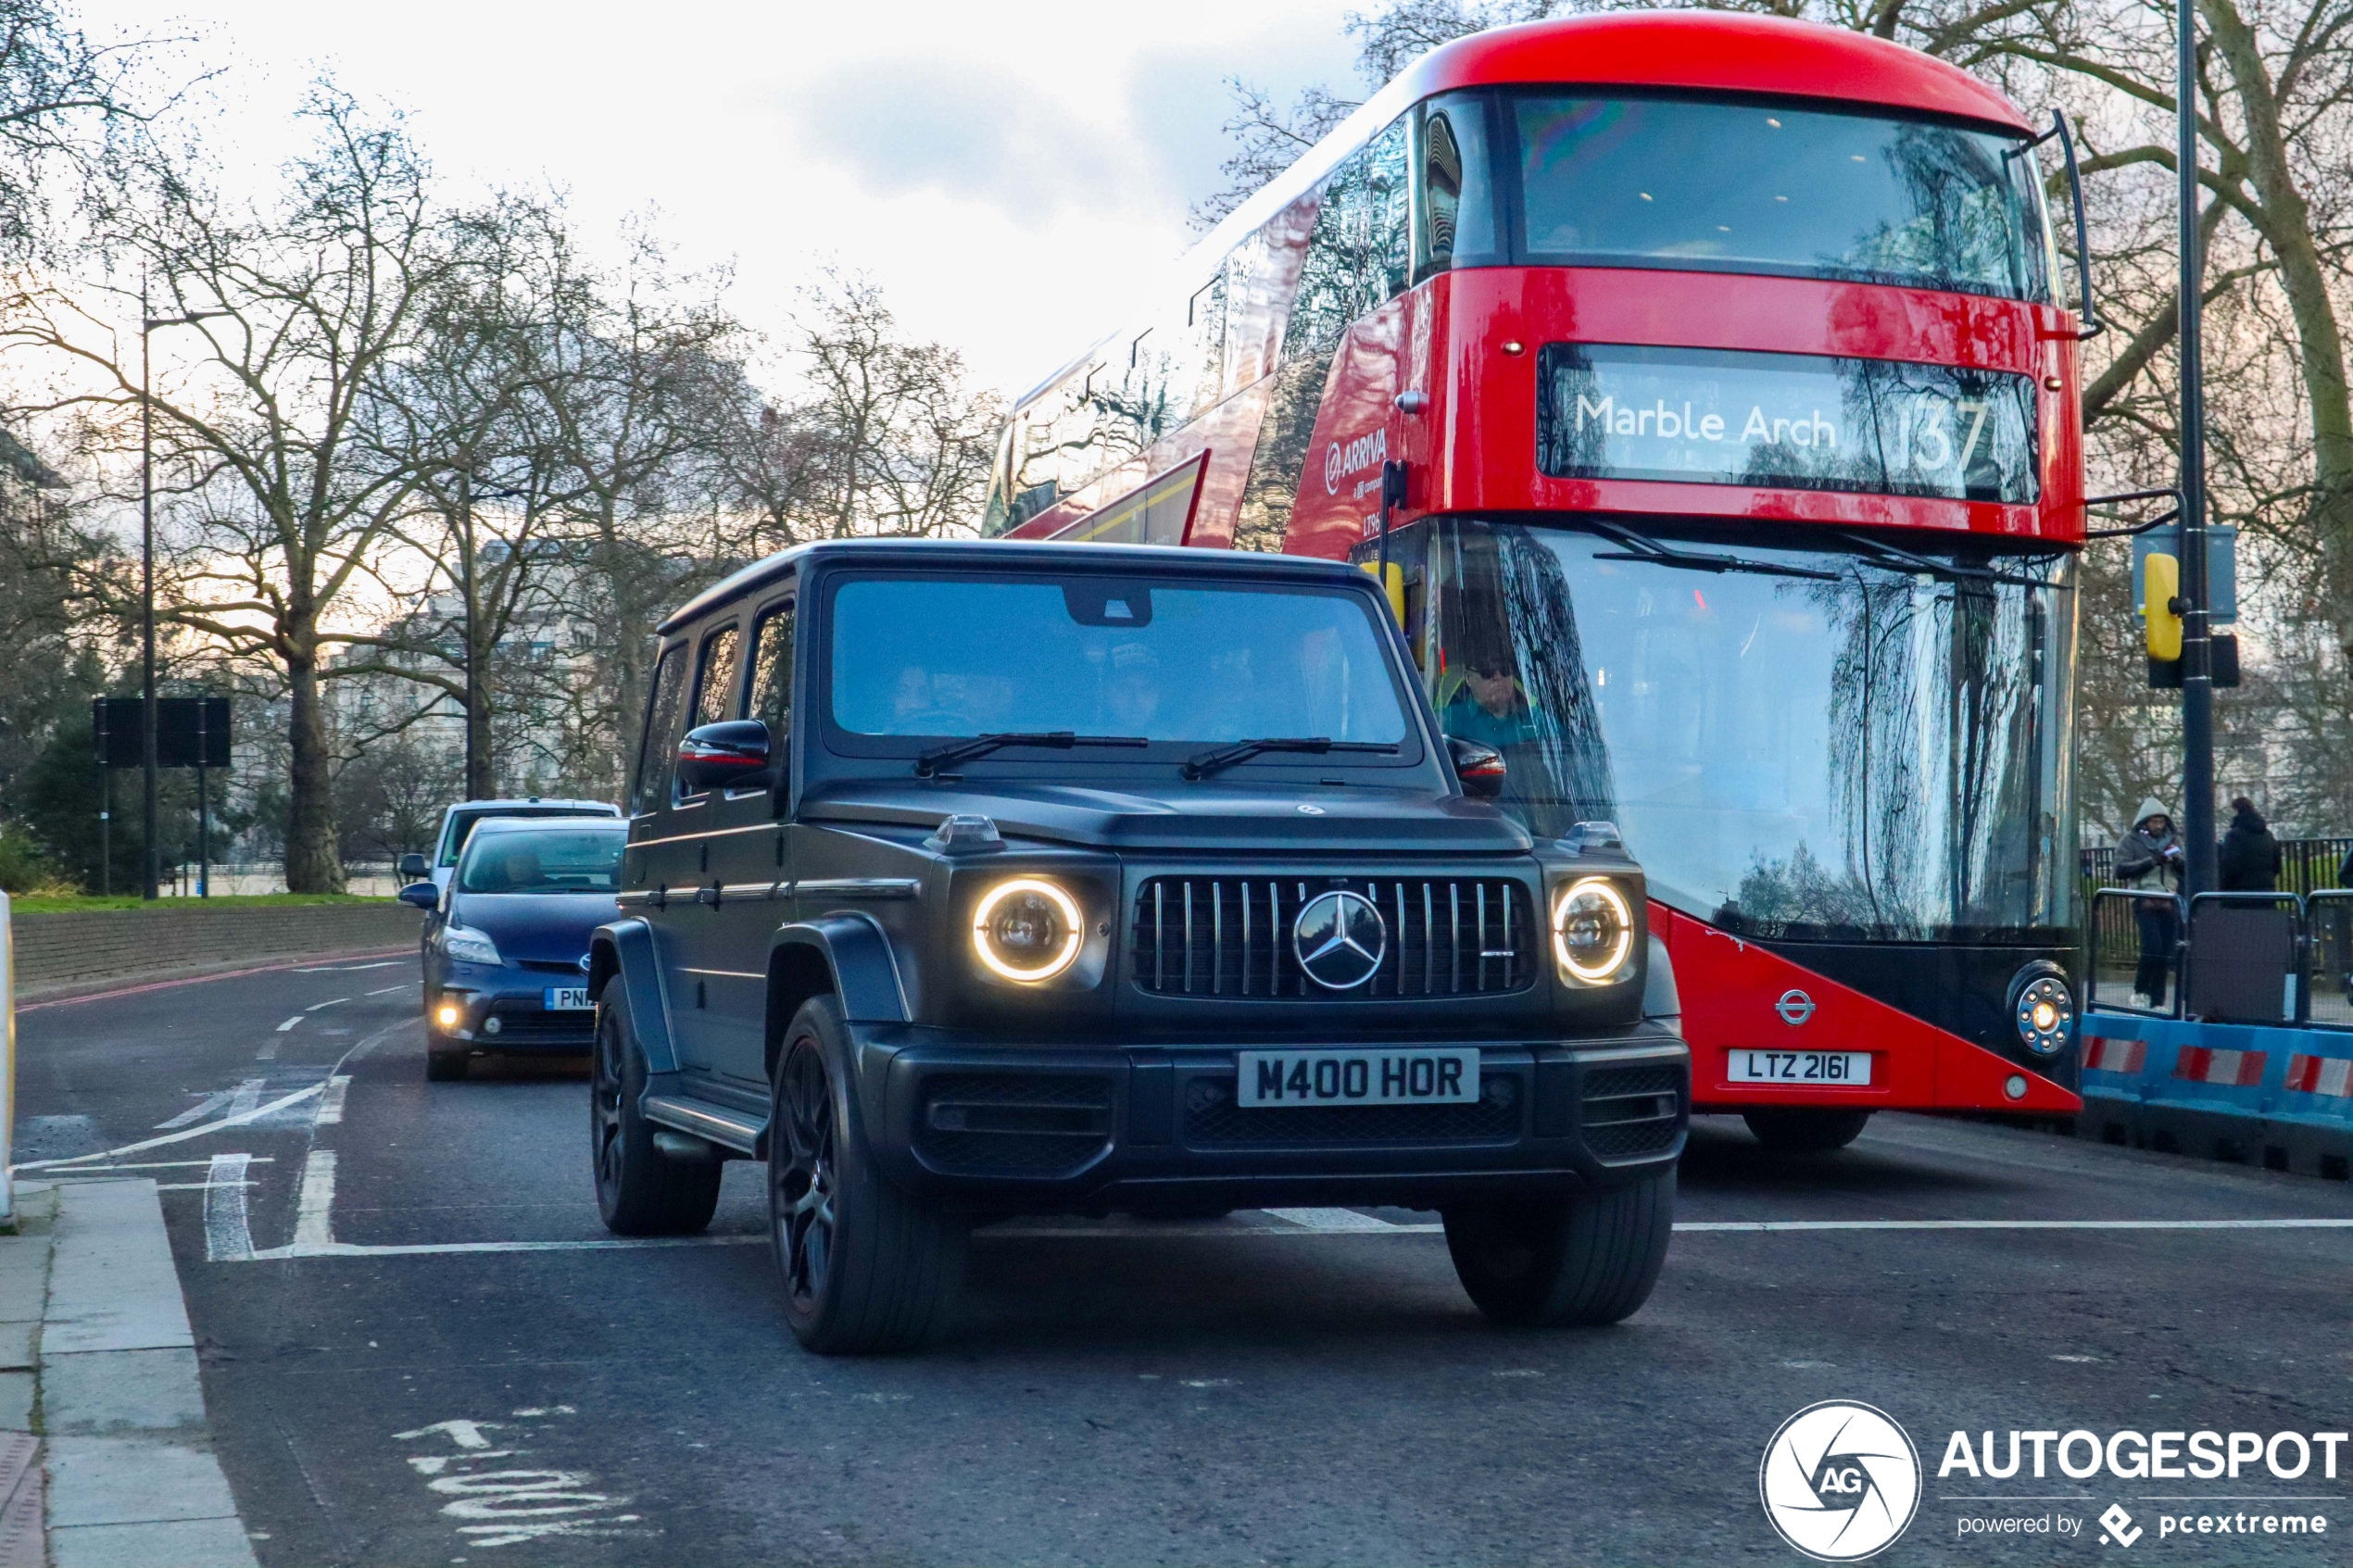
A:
(2152, 851)
(2249, 859)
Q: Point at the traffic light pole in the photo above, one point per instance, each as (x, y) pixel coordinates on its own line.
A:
(2198, 644)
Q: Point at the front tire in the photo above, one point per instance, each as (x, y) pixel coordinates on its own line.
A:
(1582, 1261)
(865, 1269)
(640, 1191)
(1804, 1129)
(444, 1064)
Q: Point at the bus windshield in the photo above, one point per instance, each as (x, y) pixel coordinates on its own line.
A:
(1635, 182)
(1802, 744)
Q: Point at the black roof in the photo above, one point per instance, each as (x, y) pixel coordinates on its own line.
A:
(1014, 555)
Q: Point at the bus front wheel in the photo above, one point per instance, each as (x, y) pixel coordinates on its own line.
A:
(1804, 1129)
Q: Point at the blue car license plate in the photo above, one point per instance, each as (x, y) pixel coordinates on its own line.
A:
(567, 998)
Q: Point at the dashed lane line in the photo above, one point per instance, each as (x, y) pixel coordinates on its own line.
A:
(316, 1006)
(289, 1024)
(228, 1232)
(390, 989)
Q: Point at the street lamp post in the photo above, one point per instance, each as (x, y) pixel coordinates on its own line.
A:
(2198, 646)
(147, 324)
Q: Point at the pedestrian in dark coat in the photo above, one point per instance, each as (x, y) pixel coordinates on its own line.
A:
(2152, 851)
(2249, 859)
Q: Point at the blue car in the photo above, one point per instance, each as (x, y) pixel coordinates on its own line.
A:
(506, 952)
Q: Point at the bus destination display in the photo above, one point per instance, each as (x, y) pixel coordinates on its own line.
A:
(1785, 420)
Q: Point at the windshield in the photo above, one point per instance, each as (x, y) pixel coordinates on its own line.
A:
(462, 825)
(1762, 188)
(544, 861)
(1879, 755)
(1099, 656)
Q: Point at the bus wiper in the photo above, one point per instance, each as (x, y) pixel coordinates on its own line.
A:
(1951, 572)
(1200, 764)
(1644, 549)
(939, 757)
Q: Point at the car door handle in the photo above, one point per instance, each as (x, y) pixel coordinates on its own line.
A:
(708, 896)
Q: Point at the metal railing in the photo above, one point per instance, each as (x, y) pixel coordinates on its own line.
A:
(2283, 959)
(2307, 865)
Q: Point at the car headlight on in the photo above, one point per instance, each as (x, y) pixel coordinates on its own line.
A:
(1592, 932)
(1028, 929)
(2045, 1012)
(468, 946)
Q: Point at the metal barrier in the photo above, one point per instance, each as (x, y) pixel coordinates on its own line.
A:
(2328, 958)
(2242, 959)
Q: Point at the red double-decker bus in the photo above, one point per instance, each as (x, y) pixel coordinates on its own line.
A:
(1705, 383)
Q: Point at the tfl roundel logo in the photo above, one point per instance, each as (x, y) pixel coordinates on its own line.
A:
(1839, 1481)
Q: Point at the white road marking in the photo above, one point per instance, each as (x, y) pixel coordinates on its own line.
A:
(228, 1233)
(1329, 1219)
(197, 1111)
(331, 1101)
(2329, 1224)
(390, 989)
(465, 1434)
(199, 1186)
(244, 1098)
(512, 1505)
(269, 1051)
(347, 968)
(149, 1165)
(337, 1002)
(314, 1208)
(289, 1024)
(619, 1244)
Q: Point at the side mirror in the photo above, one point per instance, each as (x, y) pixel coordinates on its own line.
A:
(413, 867)
(732, 755)
(422, 895)
(1480, 767)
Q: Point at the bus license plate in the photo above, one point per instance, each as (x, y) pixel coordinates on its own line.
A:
(1800, 1067)
(1372, 1077)
(567, 998)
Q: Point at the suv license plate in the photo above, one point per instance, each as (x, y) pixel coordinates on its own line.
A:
(1800, 1067)
(567, 998)
(1371, 1077)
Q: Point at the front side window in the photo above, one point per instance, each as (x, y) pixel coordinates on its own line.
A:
(1874, 750)
(554, 860)
(946, 658)
(1635, 182)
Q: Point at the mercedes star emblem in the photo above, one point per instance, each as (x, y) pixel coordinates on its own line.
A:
(1340, 938)
(1795, 1007)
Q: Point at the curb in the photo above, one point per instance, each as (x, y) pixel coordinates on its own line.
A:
(128, 1466)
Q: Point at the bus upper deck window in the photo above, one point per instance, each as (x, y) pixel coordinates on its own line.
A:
(1456, 225)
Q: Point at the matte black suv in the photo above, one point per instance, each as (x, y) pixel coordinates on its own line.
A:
(975, 880)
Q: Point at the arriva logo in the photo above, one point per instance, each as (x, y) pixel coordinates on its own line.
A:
(1839, 1481)
(1364, 452)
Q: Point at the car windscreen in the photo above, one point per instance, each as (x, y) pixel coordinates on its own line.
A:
(544, 861)
(1724, 187)
(463, 826)
(1182, 661)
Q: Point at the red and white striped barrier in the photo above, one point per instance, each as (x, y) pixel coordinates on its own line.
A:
(2104, 1053)
(2203, 1064)
(2330, 1076)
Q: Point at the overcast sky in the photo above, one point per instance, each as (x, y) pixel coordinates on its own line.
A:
(998, 166)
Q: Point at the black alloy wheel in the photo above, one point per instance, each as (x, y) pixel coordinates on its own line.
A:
(640, 1190)
(801, 1182)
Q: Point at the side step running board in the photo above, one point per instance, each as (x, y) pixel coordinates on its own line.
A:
(704, 1121)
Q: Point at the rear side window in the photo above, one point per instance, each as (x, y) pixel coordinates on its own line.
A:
(662, 730)
(715, 692)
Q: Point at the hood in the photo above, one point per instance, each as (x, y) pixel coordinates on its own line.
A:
(545, 927)
(1211, 815)
(2152, 807)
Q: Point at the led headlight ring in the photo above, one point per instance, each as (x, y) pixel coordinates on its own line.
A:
(1576, 900)
(1065, 906)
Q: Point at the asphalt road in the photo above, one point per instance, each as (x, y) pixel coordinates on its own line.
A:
(421, 1347)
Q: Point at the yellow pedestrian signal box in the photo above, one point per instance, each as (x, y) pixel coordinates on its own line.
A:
(2161, 583)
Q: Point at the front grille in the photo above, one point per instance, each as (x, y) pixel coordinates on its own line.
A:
(1232, 937)
(552, 966)
(1212, 1117)
(1013, 1124)
(1632, 1111)
(527, 1023)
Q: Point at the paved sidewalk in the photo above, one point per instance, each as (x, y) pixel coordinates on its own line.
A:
(126, 1453)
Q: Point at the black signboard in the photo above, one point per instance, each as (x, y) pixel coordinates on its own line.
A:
(1802, 422)
(191, 732)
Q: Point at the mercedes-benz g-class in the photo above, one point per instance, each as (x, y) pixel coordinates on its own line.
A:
(966, 881)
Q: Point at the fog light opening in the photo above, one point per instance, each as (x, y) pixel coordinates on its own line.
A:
(2015, 1085)
(491, 1026)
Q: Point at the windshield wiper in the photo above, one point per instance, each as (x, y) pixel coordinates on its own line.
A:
(1885, 553)
(1200, 764)
(939, 757)
(1640, 549)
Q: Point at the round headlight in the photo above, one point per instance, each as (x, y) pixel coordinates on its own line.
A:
(1028, 929)
(2045, 1012)
(1592, 931)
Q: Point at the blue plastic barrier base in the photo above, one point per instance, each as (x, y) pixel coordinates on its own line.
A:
(2281, 1099)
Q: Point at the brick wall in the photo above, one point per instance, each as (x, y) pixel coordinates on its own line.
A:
(55, 949)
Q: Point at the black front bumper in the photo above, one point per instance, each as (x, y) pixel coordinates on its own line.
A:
(998, 1128)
